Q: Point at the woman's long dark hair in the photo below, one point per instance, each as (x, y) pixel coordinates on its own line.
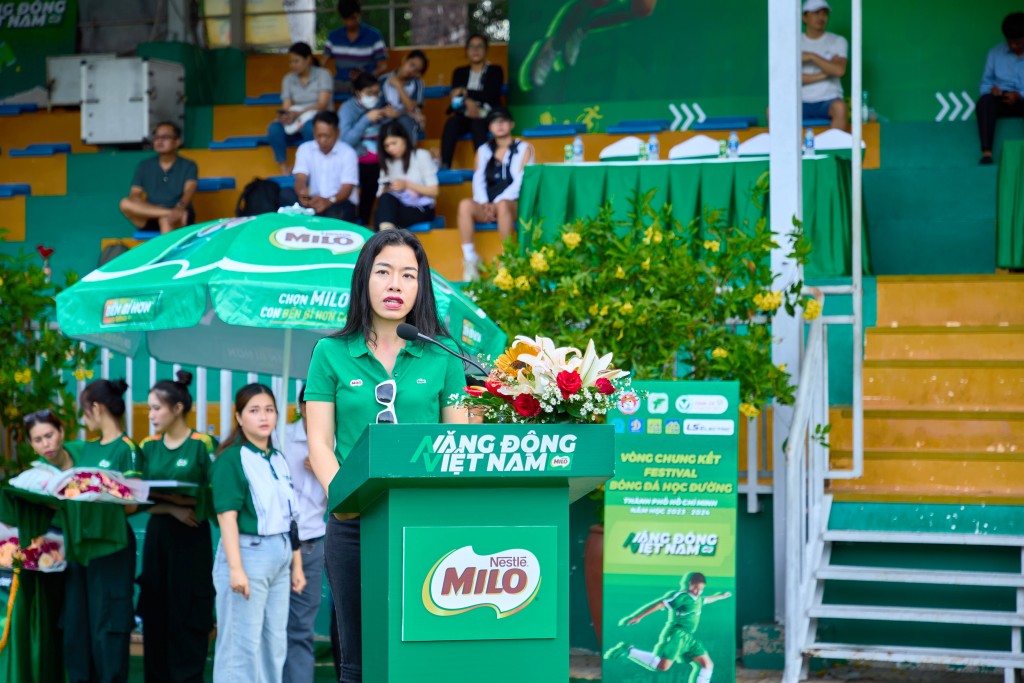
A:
(242, 398)
(106, 392)
(393, 129)
(424, 310)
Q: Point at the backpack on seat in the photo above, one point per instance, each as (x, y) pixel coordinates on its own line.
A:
(259, 196)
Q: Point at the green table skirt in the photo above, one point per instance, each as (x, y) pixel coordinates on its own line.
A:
(1010, 206)
(33, 652)
(558, 194)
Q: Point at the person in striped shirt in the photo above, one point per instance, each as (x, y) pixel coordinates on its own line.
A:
(354, 47)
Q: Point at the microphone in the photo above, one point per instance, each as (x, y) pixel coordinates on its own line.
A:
(411, 333)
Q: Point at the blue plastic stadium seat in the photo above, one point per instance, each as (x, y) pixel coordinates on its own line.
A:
(721, 124)
(485, 227)
(635, 126)
(342, 96)
(454, 176)
(427, 226)
(240, 142)
(816, 123)
(15, 109)
(264, 99)
(436, 92)
(555, 130)
(12, 189)
(215, 184)
(47, 149)
(504, 89)
(143, 235)
(285, 181)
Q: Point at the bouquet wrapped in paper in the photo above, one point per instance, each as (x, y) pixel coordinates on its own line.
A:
(44, 554)
(535, 381)
(87, 484)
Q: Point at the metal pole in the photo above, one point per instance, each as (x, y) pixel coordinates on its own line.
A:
(857, 268)
(282, 400)
(201, 417)
(238, 24)
(129, 413)
(226, 404)
(152, 382)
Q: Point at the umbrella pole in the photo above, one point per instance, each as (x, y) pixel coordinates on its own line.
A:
(282, 400)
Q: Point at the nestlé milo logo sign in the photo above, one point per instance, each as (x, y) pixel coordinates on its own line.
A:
(462, 581)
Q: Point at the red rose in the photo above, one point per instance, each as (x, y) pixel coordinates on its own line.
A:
(604, 386)
(475, 392)
(526, 405)
(492, 387)
(569, 382)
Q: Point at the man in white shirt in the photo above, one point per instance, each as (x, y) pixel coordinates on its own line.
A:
(824, 57)
(327, 171)
(303, 607)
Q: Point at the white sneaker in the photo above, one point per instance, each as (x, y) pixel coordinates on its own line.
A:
(471, 269)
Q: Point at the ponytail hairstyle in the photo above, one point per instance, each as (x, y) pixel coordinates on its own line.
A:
(173, 392)
(108, 393)
(242, 398)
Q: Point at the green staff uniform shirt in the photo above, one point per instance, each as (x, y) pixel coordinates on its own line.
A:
(232, 490)
(189, 462)
(120, 455)
(677, 642)
(345, 373)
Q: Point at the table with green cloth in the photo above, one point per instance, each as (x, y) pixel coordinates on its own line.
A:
(1010, 206)
(560, 193)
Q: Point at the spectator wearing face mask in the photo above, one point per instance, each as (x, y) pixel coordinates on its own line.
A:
(361, 118)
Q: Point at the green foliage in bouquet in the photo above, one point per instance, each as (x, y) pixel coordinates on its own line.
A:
(656, 293)
(35, 359)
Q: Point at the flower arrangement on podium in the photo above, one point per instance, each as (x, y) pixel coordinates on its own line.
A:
(534, 381)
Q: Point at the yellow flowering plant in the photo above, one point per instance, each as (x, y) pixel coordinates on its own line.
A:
(668, 299)
(40, 365)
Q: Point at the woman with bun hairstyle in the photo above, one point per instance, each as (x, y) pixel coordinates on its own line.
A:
(176, 586)
(98, 614)
(258, 556)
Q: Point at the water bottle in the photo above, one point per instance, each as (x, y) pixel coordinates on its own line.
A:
(809, 142)
(568, 153)
(865, 110)
(653, 148)
(734, 145)
(643, 151)
(723, 149)
(577, 150)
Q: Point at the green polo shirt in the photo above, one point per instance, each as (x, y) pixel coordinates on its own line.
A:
(189, 462)
(231, 488)
(345, 373)
(120, 455)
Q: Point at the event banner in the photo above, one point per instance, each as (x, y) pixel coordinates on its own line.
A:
(670, 535)
(31, 30)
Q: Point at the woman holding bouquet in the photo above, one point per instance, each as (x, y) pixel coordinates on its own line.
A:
(40, 596)
(367, 374)
(258, 556)
(176, 587)
(98, 614)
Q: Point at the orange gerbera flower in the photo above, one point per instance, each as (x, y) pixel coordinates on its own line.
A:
(509, 362)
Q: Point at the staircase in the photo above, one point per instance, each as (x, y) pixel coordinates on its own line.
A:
(921, 560)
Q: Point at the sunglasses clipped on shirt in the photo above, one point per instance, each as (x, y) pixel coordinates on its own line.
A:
(385, 395)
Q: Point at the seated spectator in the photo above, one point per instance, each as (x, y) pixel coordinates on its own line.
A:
(305, 90)
(163, 186)
(824, 63)
(327, 171)
(1001, 83)
(403, 90)
(361, 118)
(476, 89)
(500, 164)
(408, 180)
(354, 47)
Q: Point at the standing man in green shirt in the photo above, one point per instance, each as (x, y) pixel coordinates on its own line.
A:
(366, 374)
(163, 186)
(677, 642)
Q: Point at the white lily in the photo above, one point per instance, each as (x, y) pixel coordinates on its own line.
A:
(593, 368)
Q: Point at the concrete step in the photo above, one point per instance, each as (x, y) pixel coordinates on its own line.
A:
(916, 655)
(945, 343)
(933, 431)
(945, 385)
(968, 537)
(950, 300)
(929, 576)
(917, 614)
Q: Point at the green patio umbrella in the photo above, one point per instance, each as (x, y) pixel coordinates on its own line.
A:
(248, 294)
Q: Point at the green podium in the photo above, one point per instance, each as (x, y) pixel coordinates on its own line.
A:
(465, 546)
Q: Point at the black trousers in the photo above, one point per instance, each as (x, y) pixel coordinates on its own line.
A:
(343, 211)
(989, 110)
(98, 616)
(176, 600)
(369, 175)
(391, 210)
(457, 125)
(342, 561)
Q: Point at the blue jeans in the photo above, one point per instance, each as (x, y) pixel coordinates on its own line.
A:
(252, 634)
(279, 140)
(817, 110)
(302, 609)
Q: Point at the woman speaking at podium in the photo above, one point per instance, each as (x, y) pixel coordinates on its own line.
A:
(366, 374)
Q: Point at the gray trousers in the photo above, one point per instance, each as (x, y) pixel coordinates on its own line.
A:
(302, 610)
